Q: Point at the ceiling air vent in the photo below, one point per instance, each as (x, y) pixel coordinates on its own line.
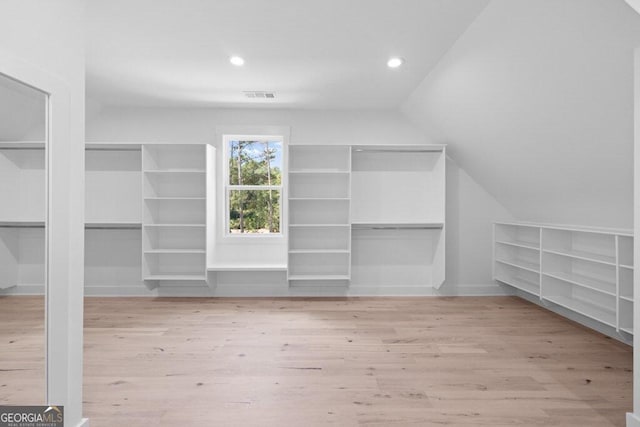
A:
(259, 94)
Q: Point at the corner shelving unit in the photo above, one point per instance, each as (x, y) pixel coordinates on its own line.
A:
(319, 249)
(22, 214)
(517, 257)
(587, 271)
(174, 213)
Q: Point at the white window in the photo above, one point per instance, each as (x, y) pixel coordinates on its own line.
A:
(253, 184)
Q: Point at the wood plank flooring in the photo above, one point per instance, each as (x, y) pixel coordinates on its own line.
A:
(22, 356)
(481, 361)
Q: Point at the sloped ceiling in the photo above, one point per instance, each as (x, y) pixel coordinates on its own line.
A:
(536, 102)
(22, 111)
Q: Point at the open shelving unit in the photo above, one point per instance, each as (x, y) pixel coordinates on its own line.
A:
(587, 271)
(398, 215)
(174, 213)
(319, 248)
(367, 215)
(22, 214)
(113, 220)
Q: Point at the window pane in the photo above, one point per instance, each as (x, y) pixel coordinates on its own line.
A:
(254, 211)
(255, 162)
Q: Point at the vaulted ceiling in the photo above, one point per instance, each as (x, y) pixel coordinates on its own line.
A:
(534, 98)
(22, 111)
(536, 103)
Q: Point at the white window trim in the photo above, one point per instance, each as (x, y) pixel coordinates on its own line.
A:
(226, 138)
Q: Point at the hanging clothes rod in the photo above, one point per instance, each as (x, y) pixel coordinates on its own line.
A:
(434, 226)
(21, 225)
(21, 148)
(397, 150)
(89, 148)
(106, 226)
(111, 228)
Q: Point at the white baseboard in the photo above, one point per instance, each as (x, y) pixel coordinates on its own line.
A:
(480, 289)
(282, 289)
(117, 291)
(23, 290)
(83, 423)
(633, 420)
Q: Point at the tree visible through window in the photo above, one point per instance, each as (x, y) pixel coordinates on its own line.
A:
(254, 186)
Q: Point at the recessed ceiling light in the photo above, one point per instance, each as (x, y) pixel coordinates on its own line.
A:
(237, 61)
(395, 62)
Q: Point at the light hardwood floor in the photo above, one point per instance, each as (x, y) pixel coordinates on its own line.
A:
(344, 362)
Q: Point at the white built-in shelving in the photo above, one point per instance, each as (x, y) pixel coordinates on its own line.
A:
(174, 213)
(113, 217)
(588, 271)
(319, 214)
(398, 215)
(367, 215)
(22, 214)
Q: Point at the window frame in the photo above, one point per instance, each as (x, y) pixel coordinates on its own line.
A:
(227, 187)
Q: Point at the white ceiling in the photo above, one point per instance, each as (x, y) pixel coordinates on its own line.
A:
(323, 54)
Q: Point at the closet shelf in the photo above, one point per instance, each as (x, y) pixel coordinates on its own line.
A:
(399, 148)
(174, 171)
(319, 198)
(319, 277)
(587, 271)
(174, 213)
(317, 225)
(319, 251)
(319, 172)
(521, 284)
(113, 225)
(22, 145)
(586, 256)
(583, 281)
(520, 244)
(589, 310)
(398, 225)
(177, 225)
(22, 224)
(175, 198)
(521, 264)
(247, 267)
(175, 251)
(176, 277)
(98, 146)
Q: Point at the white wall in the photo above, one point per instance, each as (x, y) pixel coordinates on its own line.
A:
(22, 112)
(49, 36)
(535, 101)
(470, 214)
(633, 418)
(198, 125)
(470, 210)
